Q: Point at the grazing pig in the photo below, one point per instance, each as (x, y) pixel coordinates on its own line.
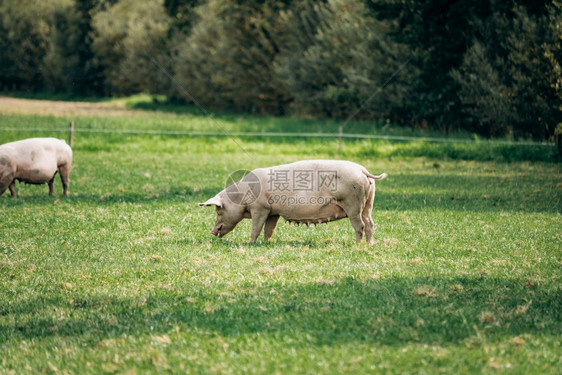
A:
(34, 161)
(304, 192)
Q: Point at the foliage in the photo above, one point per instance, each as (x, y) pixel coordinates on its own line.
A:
(68, 64)
(334, 57)
(512, 80)
(182, 12)
(129, 42)
(46, 46)
(438, 32)
(225, 61)
(25, 30)
(488, 67)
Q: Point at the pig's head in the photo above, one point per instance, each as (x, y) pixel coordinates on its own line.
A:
(228, 214)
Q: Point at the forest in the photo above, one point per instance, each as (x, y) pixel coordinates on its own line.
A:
(489, 67)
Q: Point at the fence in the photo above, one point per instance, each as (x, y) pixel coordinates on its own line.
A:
(340, 136)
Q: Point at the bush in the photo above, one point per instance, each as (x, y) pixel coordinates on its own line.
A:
(130, 46)
(334, 56)
(490, 67)
(24, 41)
(511, 80)
(225, 61)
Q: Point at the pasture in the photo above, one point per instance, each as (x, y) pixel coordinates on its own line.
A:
(123, 275)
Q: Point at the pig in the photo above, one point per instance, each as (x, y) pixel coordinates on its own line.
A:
(304, 192)
(34, 161)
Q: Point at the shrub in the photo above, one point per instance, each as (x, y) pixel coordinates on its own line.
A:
(24, 41)
(334, 56)
(511, 80)
(225, 61)
(130, 45)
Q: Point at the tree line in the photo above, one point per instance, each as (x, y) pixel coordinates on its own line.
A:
(491, 67)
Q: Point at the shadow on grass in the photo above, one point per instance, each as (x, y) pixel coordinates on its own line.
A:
(180, 194)
(54, 97)
(383, 202)
(386, 312)
(516, 192)
(448, 192)
(208, 238)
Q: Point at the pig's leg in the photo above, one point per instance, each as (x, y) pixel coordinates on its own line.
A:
(3, 187)
(64, 171)
(358, 225)
(270, 225)
(353, 210)
(258, 220)
(50, 183)
(366, 214)
(13, 189)
(6, 181)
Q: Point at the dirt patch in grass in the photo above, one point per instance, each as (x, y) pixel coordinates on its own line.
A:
(61, 108)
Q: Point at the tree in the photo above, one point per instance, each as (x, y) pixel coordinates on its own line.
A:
(334, 56)
(46, 46)
(129, 41)
(24, 37)
(182, 13)
(439, 32)
(225, 60)
(511, 79)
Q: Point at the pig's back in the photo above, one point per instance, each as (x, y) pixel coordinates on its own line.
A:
(36, 158)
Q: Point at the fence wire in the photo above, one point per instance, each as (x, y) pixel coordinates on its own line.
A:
(397, 138)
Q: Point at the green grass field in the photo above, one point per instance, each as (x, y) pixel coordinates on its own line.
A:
(123, 275)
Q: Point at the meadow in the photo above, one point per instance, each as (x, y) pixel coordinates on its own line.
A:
(123, 275)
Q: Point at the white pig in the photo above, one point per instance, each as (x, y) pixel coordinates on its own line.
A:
(34, 161)
(309, 192)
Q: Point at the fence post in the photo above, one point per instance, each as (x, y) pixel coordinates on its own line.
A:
(70, 133)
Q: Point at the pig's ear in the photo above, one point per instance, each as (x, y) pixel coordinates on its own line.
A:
(214, 201)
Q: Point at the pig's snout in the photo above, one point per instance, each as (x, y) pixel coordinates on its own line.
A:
(216, 231)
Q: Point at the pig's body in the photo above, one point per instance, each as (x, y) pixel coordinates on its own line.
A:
(34, 161)
(309, 192)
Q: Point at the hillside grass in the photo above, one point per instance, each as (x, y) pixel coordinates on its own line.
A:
(123, 275)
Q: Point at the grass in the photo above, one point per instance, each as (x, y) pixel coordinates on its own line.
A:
(123, 276)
